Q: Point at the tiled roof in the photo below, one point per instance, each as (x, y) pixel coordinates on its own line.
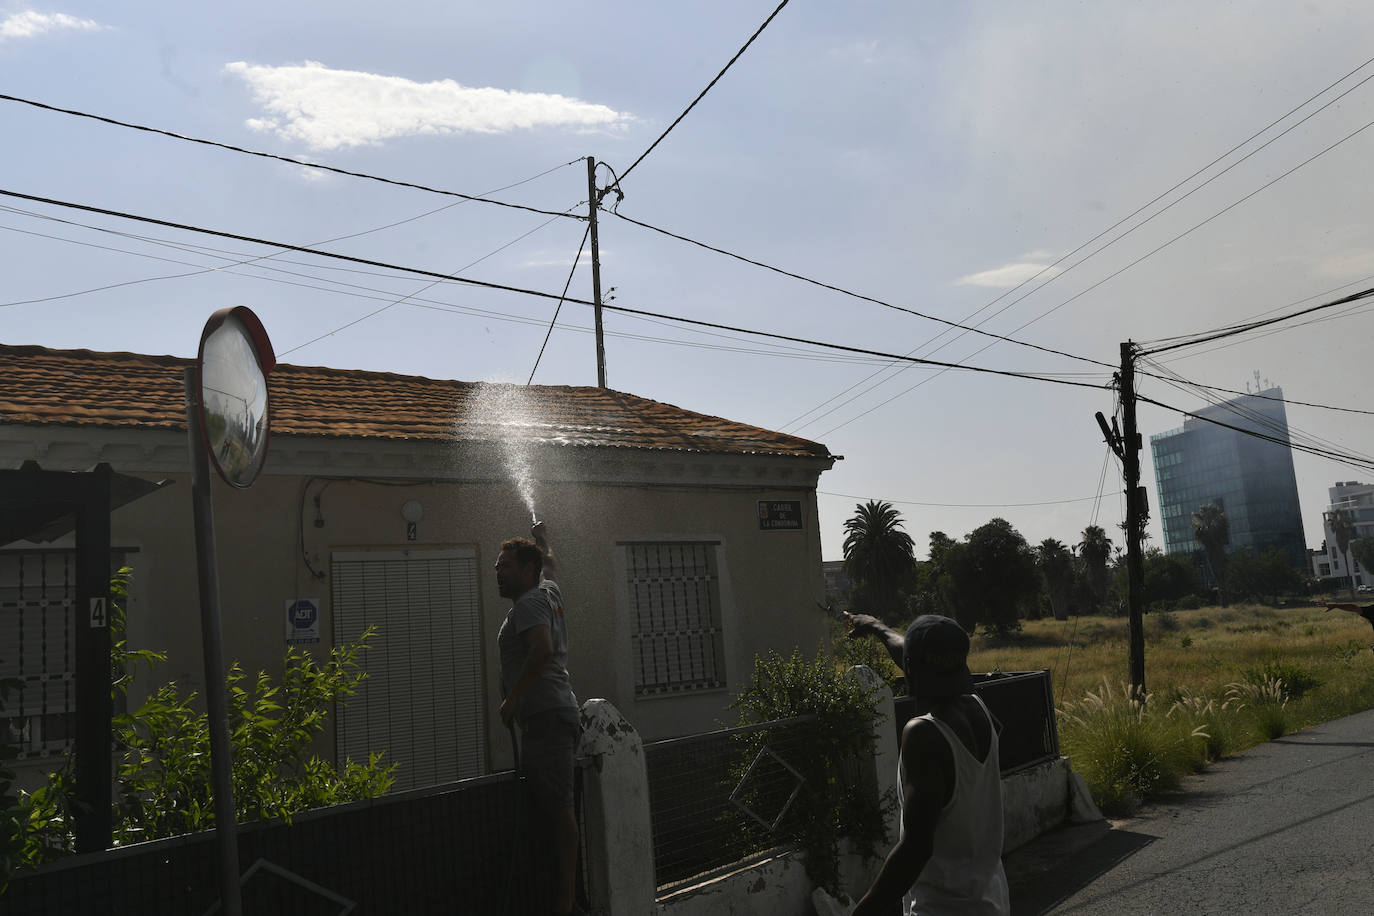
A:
(39, 386)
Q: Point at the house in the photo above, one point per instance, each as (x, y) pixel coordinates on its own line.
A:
(687, 544)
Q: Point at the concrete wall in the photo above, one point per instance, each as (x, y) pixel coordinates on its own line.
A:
(593, 500)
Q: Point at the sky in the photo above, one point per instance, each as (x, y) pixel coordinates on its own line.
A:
(1066, 175)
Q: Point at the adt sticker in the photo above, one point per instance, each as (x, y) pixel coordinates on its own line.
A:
(302, 621)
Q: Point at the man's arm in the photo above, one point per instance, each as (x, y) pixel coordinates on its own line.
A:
(1342, 606)
(541, 540)
(860, 625)
(925, 792)
(538, 650)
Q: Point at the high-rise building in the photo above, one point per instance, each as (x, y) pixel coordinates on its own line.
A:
(1252, 479)
(1357, 500)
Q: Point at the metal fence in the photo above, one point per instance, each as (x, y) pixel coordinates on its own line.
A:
(447, 849)
(717, 799)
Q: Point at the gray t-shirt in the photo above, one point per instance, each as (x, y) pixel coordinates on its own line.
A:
(540, 606)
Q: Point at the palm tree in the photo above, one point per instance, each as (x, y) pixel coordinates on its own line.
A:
(1212, 529)
(878, 555)
(1096, 550)
(1342, 525)
(1056, 566)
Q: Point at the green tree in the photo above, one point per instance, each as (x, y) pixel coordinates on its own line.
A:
(1096, 550)
(1363, 551)
(1055, 563)
(878, 555)
(1212, 529)
(1342, 525)
(1264, 576)
(995, 576)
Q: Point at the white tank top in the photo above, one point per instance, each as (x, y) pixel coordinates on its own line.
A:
(964, 874)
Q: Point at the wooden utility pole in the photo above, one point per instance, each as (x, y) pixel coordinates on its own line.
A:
(592, 202)
(1136, 513)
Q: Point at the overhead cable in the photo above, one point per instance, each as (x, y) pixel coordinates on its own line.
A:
(298, 162)
(912, 502)
(846, 292)
(702, 94)
(284, 245)
(577, 258)
(1354, 461)
(1233, 330)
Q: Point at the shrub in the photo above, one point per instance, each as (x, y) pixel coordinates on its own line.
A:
(162, 770)
(829, 805)
(1125, 749)
(1267, 703)
(1293, 679)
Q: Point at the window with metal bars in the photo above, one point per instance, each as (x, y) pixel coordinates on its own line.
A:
(675, 634)
(38, 649)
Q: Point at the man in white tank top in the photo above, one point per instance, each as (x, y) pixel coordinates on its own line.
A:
(948, 858)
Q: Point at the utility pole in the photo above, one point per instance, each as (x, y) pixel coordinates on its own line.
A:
(593, 200)
(1135, 518)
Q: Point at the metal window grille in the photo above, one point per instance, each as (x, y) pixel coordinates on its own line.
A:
(38, 648)
(422, 702)
(675, 635)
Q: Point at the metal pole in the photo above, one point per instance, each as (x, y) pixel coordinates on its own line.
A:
(94, 710)
(1135, 521)
(596, 274)
(226, 829)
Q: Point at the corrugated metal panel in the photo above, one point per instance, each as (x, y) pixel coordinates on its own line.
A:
(422, 702)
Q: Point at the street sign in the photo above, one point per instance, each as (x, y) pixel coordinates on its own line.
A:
(780, 515)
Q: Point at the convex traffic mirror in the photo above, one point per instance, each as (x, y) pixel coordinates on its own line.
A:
(234, 361)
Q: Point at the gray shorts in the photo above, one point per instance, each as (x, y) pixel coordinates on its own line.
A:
(549, 740)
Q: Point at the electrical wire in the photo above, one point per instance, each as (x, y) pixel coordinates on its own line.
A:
(1169, 375)
(1364, 464)
(297, 162)
(283, 245)
(1233, 330)
(703, 92)
(425, 288)
(846, 292)
(547, 334)
(912, 502)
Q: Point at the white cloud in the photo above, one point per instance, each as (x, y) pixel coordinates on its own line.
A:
(327, 109)
(30, 24)
(1008, 275)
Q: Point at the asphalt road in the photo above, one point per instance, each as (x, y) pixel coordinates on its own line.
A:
(1286, 827)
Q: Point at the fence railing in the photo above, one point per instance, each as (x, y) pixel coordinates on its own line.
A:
(441, 850)
(717, 799)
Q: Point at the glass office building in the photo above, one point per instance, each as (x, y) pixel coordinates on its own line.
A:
(1250, 478)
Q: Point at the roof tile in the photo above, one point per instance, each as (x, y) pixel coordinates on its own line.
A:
(45, 387)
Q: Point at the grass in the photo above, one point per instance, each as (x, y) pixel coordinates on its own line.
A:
(1219, 680)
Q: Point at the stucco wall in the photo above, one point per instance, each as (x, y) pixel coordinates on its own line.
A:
(591, 499)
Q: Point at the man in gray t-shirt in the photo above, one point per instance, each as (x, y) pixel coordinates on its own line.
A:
(537, 694)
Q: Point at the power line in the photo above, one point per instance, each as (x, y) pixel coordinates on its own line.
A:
(1264, 397)
(1354, 461)
(422, 289)
(846, 292)
(298, 162)
(911, 502)
(1233, 330)
(283, 245)
(847, 349)
(577, 258)
(703, 92)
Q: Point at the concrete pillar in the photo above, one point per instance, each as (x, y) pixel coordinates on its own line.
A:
(620, 848)
(885, 748)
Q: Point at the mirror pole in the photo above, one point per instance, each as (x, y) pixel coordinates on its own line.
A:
(226, 828)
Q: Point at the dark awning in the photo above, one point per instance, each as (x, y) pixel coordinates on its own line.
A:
(34, 506)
